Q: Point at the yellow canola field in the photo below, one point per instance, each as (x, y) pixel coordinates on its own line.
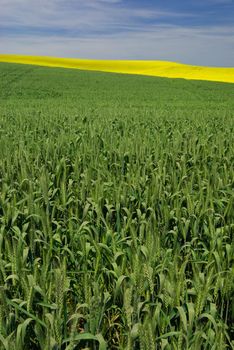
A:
(150, 68)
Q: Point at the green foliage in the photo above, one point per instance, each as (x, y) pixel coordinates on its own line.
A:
(116, 211)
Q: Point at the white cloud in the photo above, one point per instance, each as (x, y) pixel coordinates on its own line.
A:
(69, 29)
(96, 14)
(195, 46)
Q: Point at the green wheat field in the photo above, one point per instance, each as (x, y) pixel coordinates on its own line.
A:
(116, 211)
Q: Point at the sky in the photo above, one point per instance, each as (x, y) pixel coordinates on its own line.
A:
(198, 32)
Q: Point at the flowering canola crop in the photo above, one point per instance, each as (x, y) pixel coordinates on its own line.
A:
(151, 68)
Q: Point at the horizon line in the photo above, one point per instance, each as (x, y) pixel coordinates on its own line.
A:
(156, 68)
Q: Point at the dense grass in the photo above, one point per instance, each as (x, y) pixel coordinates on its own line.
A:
(116, 211)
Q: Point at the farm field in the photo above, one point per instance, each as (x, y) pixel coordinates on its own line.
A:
(116, 211)
(149, 68)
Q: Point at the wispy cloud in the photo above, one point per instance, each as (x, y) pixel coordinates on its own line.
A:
(162, 42)
(116, 29)
(94, 14)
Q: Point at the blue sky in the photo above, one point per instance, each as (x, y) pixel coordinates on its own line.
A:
(199, 32)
